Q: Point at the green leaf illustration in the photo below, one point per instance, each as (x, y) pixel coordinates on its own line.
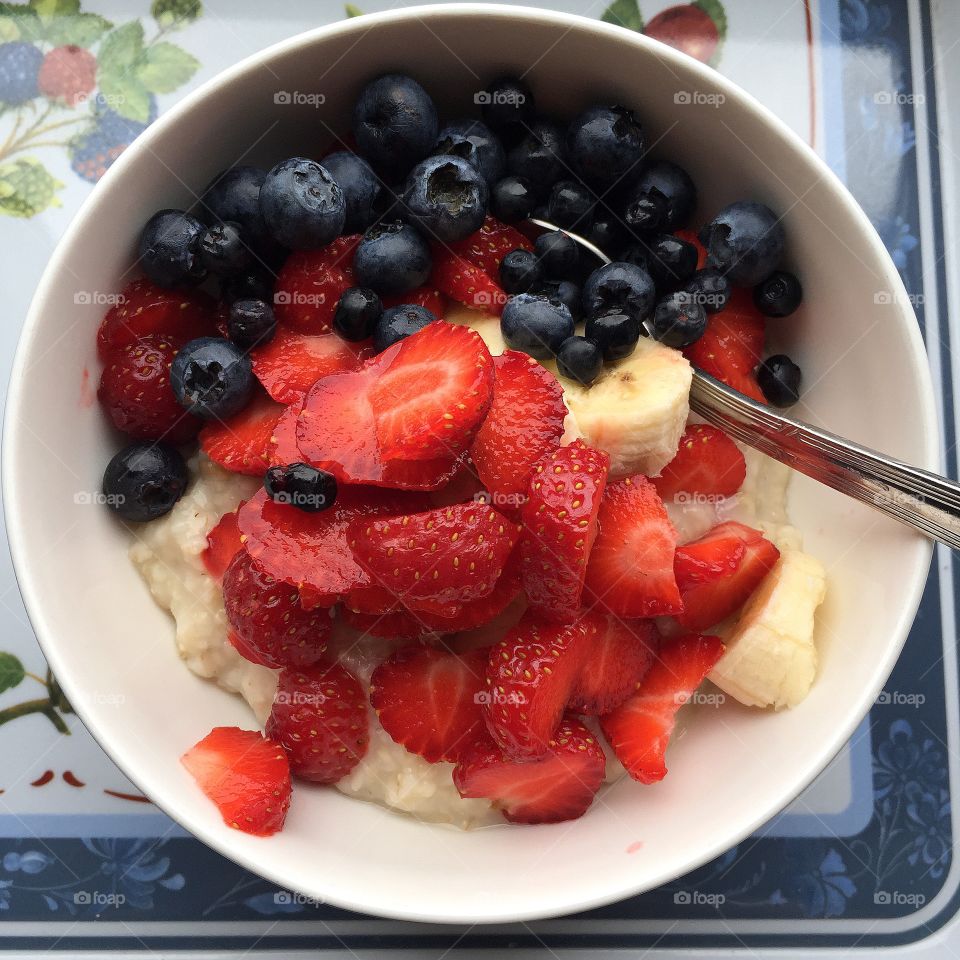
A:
(28, 189)
(48, 9)
(352, 10)
(9, 31)
(127, 95)
(82, 30)
(23, 19)
(11, 671)
(165, 67)
(624, 13)
(174, 14)
(121, 49)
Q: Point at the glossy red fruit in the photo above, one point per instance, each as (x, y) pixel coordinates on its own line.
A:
(244, 443)
(489, 245)
(223, 543)
(716, 554)
(470, 285)
(707, 463)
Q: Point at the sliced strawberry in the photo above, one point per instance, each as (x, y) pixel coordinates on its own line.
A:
(431, 395)
(489, 245)
(525, 422)
(460, 280)
(706, 604)
(247, 651)
(707, 463)
(283, 448)
(428, 700)
(560, 526)
(291, 363)
(223, 542)
(630, 572)
(716, 554)
(243, 443)
(438, 559)
(395, 625)
(145, 310)
(619, 653)
(429, 297)
(371, 598)
(246, 775)
(559, 785)
(639, 729)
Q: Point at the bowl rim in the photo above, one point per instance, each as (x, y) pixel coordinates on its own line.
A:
(13, 484)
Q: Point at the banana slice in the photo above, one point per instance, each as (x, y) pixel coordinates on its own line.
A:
(771, 657)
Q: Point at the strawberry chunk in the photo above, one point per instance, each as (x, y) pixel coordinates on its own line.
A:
(146, 310)
(283, 448)
(319, 717)
(428, 700)
(630, 573)
(525, 423)
(223, 542)
(291, 363)
(707, 463)
(639, 729)
(460, 280)
(243, 443)
(706, 604)
(429, 297)
(489, 245)
(436, 560)
(716, 554)
(560, 526)
(246, 775)
(394, 625)
(559, 785)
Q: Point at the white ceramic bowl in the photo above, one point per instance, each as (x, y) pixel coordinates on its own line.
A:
(866, 378)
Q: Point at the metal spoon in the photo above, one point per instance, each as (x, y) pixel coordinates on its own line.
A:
(923, 500)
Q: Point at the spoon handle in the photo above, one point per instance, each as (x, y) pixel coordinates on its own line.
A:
(916, 497)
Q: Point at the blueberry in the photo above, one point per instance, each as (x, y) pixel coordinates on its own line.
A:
(570, 205)
(507, 102)
(168, 249)
(251, 323)
(669, 260)
(234, 195)
(475, 142)
(580, 359)
(446, 197)
(646, 214)
(357, 313)
(511, 199)
(392, 258)
(399, 322)
(520, 272)
(710, 288)
(604, 143)
(538, 155)
(144, 481)
(256, 283)
(744, 241)
(616, 333)
(666, 182)
(678, 320)
(619, 286)
(395, 124)
(212, 378)
(779, 379)
(360, 186)
(20, 64)
(302, 486)
(567, 293)
(222, 249)
(606, 232)
(536, 324)
(558, 253)
(779, 295)
(302, 204)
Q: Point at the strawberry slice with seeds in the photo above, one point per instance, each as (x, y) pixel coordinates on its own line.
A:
(428, 700)
(223, 543)
(489, 245)
(470, 285)
(394, 625)
(630, 572)
(559, 785)
(707, 463)
(706, 604)
(524, 423)
(639, 729)
(560, 526)
(429, 297)
(716, 554)
(246, 775)
(283, 448)
(243, 443)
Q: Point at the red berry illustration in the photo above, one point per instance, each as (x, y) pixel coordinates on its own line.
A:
(68, 74)
(693, 28)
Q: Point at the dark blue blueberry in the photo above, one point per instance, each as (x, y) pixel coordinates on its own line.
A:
(536, 324)
(302, 486)
(234, 195)
(397, 323)
(580, 359)
(538, 155)
(520, 272)
(511, 199)
(779, 379)
(19, 68)
(607, 233)
(144, 481)
(395, 124)
(223, 250)
(567, 293)
(357, 313)
(669, 260)
(251, 323)
(779, 295)
(605, 143)
(446, 197)
(616, 333)
(619, 286)
(507, 102)
(212, 378)
(302, 204)
(558, 254)
(710, 288)
(646, 214)
(391, 258)
(744, 241)
(168, 249)
(678, 320)
(256, 283)
(360, 186)
(670, 185)
(570, 205)
(476, 143)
